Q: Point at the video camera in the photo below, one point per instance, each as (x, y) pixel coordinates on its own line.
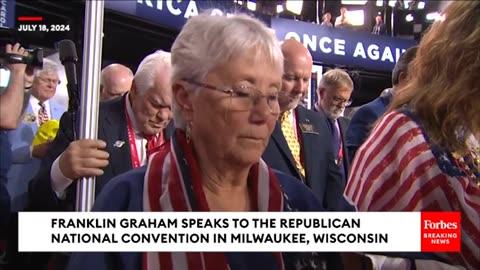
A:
(34, 57)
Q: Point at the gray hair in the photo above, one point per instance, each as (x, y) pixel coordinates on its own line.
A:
(334, 79)
(48, 67)
(402, 64)
(207, 42)
(149, 68)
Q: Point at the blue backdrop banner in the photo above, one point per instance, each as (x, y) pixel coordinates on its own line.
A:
(327, 45)
(344, 47)
(7, 13)
(171, 14)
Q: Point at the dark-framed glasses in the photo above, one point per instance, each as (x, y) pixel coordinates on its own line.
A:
(244, 97)
(340, 101)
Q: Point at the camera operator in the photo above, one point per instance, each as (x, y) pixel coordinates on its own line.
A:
(11, 100)
(11, 106)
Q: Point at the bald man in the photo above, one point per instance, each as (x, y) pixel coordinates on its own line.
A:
(301, 142)
(116, 80)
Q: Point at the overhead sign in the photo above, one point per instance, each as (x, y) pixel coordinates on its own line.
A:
(327, 45)
(168, 13)
(343, 47)
(7, 13)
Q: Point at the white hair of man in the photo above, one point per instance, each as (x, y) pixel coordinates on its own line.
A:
(149, 68)
(49, 67)
(207, 42)
(334, 79)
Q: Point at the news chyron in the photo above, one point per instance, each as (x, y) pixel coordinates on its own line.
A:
(39, 24)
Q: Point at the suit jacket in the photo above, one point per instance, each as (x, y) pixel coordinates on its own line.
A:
(24, 166)
(380, 29)
(363, 120)
(323, 176)
(343, 123)
(112, 127)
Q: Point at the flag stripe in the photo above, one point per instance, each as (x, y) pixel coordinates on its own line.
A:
(378, 141)
(387, 189)
(396, 170)
(173, 183)
(388, 159)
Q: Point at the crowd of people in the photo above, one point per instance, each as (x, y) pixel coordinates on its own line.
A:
(345, 21)
(218, 123)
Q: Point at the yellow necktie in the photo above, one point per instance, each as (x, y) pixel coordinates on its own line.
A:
(292, 141)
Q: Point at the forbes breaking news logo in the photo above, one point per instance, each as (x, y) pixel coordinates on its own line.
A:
(441, 232)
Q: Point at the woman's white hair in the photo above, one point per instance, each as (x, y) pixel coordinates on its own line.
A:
(207, 42)
(48, 67)
(149, 68)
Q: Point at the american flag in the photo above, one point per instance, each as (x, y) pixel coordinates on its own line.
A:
(173, 183)
(397, 170)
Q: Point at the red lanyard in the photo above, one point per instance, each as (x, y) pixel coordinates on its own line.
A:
(131, 140)
(340, 151)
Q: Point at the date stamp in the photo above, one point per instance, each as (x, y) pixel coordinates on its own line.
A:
(44, 27)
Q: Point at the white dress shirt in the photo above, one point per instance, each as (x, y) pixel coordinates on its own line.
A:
(140, 141)
(60, 183)
(338, 21)
(36, 107)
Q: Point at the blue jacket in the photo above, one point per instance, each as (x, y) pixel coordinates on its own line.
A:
(24, 166)
(363, 120)
(125, 193)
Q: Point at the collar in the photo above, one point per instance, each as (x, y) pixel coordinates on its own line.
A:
(36, 101)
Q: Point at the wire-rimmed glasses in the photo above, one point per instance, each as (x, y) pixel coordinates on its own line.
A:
(340, 101)
(244, 97)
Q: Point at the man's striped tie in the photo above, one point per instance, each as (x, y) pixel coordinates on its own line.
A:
(42, 114)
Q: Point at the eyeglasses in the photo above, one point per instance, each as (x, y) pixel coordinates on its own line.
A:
(340, 101)
(45, 80)
(244, 97)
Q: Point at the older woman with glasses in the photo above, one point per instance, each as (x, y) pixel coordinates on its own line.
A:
(227, 72)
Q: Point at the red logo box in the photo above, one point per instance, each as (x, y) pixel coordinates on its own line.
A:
(441, 232)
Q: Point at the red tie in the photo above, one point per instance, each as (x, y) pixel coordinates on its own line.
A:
(153, 141)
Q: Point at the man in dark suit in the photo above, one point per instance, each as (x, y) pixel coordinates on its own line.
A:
(379, 28)
(301, 143)
(364, 118)
(334, 92)
(128, 125)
